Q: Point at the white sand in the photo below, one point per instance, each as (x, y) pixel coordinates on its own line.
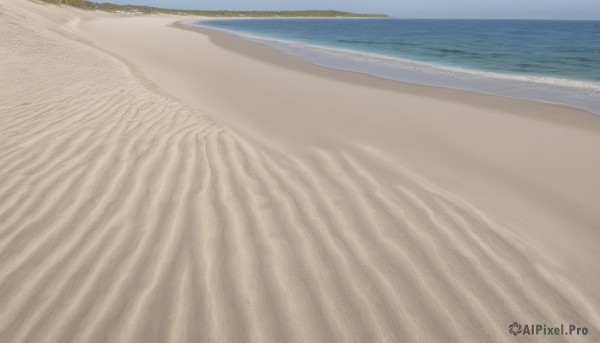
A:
(164, 185)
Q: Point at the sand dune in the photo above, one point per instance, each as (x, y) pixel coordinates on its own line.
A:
(127, 216)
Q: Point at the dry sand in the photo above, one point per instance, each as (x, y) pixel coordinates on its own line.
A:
(163, 185)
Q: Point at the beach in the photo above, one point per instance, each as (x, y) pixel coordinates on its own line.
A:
(163, 182)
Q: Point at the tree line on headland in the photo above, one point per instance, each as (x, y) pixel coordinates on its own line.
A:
(88, 5)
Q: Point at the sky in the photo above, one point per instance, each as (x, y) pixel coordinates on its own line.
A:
(506, 9)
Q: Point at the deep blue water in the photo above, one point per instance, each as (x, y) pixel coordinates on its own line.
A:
(556, 61)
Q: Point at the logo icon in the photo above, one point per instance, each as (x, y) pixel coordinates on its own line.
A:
(514, 328)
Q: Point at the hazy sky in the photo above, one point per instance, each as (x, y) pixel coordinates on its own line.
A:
(537, 9)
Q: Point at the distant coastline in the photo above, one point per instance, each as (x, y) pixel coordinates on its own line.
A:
(109, 7)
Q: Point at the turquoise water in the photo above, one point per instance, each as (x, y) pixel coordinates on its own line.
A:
(554, 61)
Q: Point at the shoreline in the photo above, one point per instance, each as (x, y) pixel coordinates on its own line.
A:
(520, 80)
(265, 52)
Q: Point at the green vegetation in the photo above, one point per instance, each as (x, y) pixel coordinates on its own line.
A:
(88, 5)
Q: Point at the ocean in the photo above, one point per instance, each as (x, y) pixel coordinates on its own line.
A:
(551, 61)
